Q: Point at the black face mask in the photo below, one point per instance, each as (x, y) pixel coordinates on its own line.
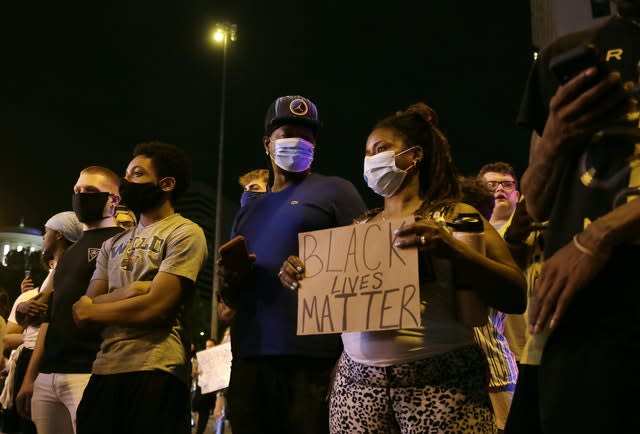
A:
(89, 207)
(140, 198)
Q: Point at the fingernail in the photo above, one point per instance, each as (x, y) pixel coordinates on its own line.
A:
(396, 232)
(396, 244)
(299, 268)
(294, 286)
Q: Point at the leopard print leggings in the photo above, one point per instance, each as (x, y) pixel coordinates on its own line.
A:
(442, 394)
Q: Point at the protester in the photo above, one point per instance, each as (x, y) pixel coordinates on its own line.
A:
(141, 289)
(61, 362)
(525, 239)
(432, 378)
(254, 183)
(60, 231)
(503, 332)
(279, 380)
(583, 178)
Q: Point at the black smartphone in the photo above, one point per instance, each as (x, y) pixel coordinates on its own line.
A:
(235, 255)
(567, 65)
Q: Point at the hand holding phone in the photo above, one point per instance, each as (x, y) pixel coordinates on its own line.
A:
(234, 255)
(567, 65)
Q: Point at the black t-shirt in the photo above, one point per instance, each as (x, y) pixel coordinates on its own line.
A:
(616, 38)
(597, 180)
(69, 349)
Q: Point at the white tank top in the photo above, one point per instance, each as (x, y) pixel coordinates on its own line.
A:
(440, 331)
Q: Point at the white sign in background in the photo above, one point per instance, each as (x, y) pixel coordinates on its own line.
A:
(215, 367)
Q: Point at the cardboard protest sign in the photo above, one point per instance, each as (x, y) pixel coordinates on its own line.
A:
(215, 367)
(356, 280)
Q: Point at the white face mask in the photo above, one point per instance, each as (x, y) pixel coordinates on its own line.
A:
(381, 173)
(293, 154)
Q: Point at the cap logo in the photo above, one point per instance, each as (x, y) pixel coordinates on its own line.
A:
(298, 107)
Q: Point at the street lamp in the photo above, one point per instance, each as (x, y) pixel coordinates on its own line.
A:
(221, 34)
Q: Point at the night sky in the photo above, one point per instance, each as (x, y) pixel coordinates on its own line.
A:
(83, 82)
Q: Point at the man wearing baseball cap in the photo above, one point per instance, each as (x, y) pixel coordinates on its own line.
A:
(279, 380)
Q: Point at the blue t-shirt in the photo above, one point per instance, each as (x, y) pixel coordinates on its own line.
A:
(265, 324)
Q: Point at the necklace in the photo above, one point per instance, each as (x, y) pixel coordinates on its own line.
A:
(384, 218)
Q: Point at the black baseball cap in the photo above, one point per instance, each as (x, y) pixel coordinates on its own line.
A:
(291, 109)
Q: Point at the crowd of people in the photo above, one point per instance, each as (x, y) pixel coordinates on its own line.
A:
(534, 332)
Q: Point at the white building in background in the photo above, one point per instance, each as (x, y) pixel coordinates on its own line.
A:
(19, 238)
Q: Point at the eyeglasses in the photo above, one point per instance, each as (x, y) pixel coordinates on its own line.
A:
(506, 185)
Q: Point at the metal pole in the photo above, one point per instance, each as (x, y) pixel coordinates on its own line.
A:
(218, 229)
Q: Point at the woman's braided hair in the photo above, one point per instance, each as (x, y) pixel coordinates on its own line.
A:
(439, 182)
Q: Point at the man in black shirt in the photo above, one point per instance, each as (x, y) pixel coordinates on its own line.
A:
(60, 366)
(584, 178)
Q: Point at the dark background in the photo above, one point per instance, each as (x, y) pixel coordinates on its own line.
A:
(83, 82)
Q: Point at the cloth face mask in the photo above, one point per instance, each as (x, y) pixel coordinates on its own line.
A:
(140, 197)
(89, 207)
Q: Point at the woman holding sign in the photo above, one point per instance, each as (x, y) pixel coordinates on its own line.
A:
(432, 378)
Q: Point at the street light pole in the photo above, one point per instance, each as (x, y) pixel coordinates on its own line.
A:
(224, 32)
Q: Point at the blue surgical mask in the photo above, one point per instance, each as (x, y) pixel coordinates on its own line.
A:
(250, 196)
(293, 154)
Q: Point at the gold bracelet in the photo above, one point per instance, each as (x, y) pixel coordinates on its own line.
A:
(582, 248)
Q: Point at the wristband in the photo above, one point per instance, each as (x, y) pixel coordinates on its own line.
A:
(582, 248)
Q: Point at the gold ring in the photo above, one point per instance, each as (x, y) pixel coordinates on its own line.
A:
(423, 240)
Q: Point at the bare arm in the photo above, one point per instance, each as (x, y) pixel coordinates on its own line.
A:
(98, 291)
(13, 336)
(495, 276)
(156, 306)
(97, 288)
(574, 116)
(540, 180)
(622, 225)
(32, 312)
(23, 398)
(576, 264)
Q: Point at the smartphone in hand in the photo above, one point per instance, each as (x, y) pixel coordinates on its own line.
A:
(567, 65)
(234, 255)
